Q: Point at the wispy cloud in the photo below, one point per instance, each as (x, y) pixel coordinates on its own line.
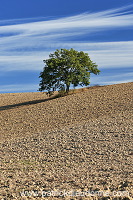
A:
(18, 88)
(106, 19)
(24, 44)
(114, 82)
(105, 54)
(113, 78)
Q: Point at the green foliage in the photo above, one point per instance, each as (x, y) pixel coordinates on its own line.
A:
(65, 67)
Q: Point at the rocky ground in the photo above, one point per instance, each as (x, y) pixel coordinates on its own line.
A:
(81, 142)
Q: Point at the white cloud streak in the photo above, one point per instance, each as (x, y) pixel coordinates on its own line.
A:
(18, 88)
(23, 46)
(106, 55)
(106, 19)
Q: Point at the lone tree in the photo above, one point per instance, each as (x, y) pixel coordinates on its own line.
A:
(65, 67)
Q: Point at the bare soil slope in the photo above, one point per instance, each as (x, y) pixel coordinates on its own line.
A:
(78, 142)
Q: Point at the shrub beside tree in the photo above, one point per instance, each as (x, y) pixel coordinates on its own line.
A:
(64, 68)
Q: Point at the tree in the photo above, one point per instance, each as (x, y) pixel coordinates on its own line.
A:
(65, 67)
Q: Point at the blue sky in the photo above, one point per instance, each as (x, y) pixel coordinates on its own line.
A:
(31, 30)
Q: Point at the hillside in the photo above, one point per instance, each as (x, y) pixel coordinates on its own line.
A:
(78, 142)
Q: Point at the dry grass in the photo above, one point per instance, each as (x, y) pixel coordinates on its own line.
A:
(77, 142)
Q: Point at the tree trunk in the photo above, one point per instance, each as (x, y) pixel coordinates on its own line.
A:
(67, 88)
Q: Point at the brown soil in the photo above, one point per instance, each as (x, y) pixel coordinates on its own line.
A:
(79, 142)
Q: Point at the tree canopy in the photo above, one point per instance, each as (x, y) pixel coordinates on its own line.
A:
(65, 67)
